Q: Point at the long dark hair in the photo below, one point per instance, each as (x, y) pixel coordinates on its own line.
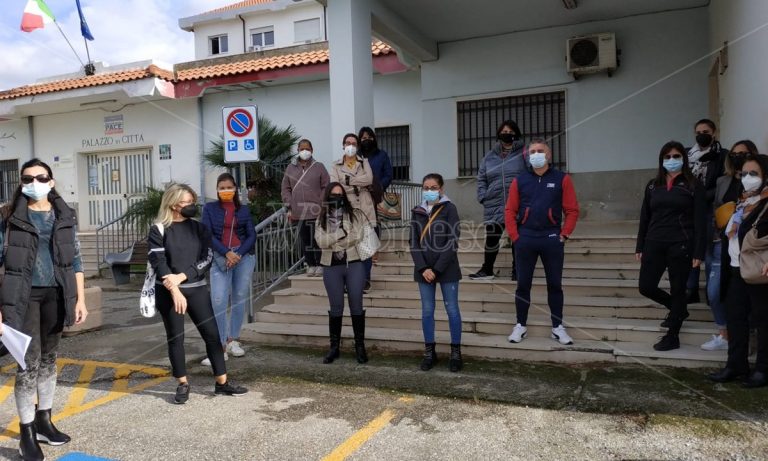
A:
(228, 177)
(348, 210)
(751, 148)
(10, 208)
(762, 162)
(661, 176)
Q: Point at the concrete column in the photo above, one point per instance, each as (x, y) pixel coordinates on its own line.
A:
(351, 68)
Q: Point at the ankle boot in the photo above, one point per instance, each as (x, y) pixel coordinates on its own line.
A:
(671, 340)
(29, 448)
(358, 326)
(430, 357)
(334, 331)
(46, 431)
(455, 363)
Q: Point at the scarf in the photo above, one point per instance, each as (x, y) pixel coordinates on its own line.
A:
(743, 209)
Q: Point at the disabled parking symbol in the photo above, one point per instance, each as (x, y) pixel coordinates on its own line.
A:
(232, 145)
(249, 144)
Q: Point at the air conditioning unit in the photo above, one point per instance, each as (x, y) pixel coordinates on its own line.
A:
(254, 48)
(589, 54)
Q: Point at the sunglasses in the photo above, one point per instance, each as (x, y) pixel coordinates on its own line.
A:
(673, 156)
(27, 179)
(750, 173)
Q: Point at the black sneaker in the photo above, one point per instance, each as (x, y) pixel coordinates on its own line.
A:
(666, 323)
(482, 275)
(367, 287)
(229, 389)
(667, 343)
(182, 394)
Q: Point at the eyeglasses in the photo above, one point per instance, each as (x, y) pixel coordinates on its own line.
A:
(673, 156)
(27, 179)
(750, 173)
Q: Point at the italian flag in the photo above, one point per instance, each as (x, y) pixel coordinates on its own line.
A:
(36, 16)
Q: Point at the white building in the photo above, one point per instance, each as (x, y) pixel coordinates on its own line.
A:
(458, 68)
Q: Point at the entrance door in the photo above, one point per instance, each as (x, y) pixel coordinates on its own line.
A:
(115, 180)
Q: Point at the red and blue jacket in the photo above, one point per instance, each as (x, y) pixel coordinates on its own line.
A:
(536, 205)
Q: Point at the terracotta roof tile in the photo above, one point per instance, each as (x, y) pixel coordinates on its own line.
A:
(87, 81)
(238, 5)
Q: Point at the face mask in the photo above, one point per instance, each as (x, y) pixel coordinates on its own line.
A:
(673, 165)
(305, 154)
(350, 151)
(737, 161)
(36, 190)
(431, 195)
(368, 145)
(335, 201)
(751, 183)
(189, 211)
(226, 195)
(538, 159)
(703, 139)
(507, 138)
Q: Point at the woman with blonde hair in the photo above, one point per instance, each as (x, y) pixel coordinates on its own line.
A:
(180, 253)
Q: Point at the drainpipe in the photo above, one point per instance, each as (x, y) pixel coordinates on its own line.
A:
(244, 42)
(201, 141)
(31, 129)
(325, 22)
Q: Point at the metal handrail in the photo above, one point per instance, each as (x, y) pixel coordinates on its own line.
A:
(117, 236)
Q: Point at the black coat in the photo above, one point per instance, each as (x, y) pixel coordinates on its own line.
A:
(725, 258)
(19, 260)
(438, 249)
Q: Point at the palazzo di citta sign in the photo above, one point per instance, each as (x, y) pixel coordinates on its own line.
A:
(113, 140)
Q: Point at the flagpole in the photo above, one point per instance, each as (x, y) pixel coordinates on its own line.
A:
(89, 68)
(70, 44)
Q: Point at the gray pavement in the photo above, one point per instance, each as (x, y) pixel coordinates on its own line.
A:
(299, 408)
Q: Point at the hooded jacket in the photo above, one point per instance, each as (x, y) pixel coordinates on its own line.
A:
(438, 250)
(494, 178)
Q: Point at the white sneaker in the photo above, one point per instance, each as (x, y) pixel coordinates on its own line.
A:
(561, 336)
(235, 349)
(318, 271)
(310, 271)
(717, 343)
(518, 333)
(207, 362)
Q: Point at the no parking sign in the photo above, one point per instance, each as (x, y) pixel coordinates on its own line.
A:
(241, 134)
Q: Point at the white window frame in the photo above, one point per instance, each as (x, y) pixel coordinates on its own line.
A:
(218, 38)
(315, 38)
(262, 31)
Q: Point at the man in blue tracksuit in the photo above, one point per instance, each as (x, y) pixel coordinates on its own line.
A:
(538, 199)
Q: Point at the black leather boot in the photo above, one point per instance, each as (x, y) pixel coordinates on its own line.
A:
(46, 431)
(334, 331)
(671, 340)
(455, 363)
(430, 357)
(29, 448)
(358, 327)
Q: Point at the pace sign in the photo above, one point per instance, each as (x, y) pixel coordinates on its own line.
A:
(241, 134)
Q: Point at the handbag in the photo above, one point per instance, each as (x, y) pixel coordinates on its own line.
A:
(370, 244)
(754, 254)
(147, 299)
(723, 214)
(390, 209)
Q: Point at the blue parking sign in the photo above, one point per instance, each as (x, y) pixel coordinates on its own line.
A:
(232, 145)
(248, 144)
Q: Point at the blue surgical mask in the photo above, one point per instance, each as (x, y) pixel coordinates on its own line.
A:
(673, 165)
(36, 190)
(431, 195)
(538, 159)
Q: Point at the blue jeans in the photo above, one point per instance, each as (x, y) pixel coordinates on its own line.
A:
(233, 284)
(712, 268)
(450, 299)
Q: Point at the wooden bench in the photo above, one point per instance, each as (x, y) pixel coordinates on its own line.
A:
(122, 263)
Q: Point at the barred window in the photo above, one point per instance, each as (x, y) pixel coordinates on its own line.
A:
(9, 179)
(396, 140)
(538, 116)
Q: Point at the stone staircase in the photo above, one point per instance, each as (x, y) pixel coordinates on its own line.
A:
(88, 253)
(606, 316)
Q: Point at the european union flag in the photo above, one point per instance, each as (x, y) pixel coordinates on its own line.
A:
(83, 25)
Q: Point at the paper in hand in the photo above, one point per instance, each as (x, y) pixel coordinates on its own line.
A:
(17, 343)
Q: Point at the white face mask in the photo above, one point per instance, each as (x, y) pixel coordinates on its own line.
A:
(36, 190)
(350, 151)
(538, 159)
(305, 154)
(751, 183)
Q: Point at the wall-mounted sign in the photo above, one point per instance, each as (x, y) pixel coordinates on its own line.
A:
(113, 124)
(113, 140)
(115, 175)
(165, 151)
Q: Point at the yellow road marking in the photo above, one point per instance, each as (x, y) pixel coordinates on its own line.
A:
(357, 439)
(405, 399)
(79, 391)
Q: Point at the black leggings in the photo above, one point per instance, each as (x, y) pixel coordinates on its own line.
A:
(493, 233)
(200, 311)
(676, 258)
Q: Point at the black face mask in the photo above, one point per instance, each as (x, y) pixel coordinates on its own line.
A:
(368, 145)
(507, 138)
(737, 161)
(704, 140)
(335, 201)
(189, 211)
